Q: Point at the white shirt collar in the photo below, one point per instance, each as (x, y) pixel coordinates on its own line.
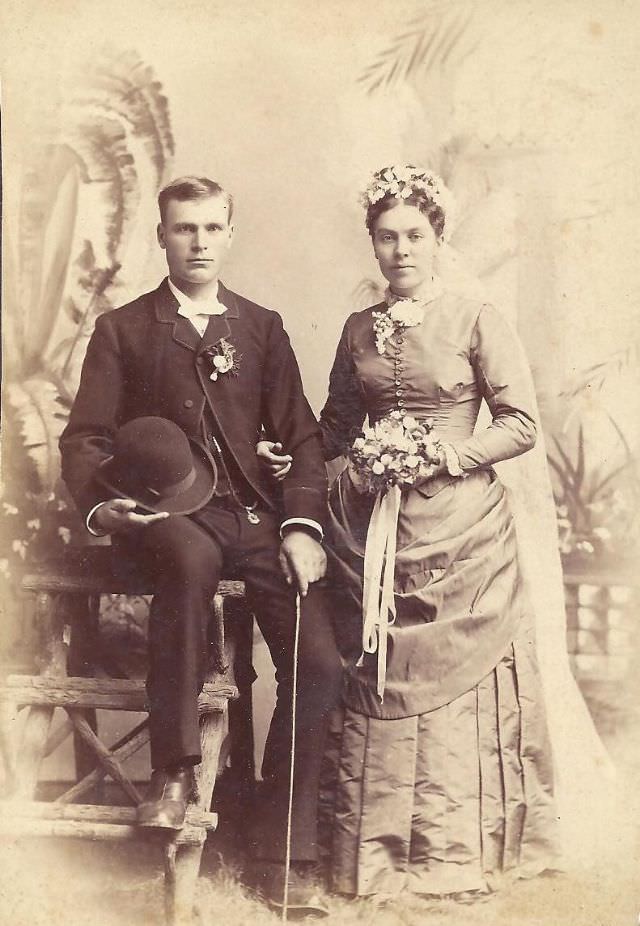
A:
(189, 308)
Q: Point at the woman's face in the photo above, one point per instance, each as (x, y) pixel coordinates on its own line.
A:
(404, 244)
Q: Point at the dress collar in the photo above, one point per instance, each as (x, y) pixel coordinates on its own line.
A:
(426, 292)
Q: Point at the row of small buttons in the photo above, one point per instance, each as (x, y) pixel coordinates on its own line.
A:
(399, 369)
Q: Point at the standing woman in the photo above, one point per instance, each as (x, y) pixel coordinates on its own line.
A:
(445, 777)
(446, 780)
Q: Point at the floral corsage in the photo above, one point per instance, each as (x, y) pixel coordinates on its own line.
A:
(402, 314)
(224, 359)
(395, 451)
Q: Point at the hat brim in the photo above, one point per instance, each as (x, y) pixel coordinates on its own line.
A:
(185, 502)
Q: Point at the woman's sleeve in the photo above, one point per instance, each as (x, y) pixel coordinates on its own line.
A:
(503, 374)
(344, 412)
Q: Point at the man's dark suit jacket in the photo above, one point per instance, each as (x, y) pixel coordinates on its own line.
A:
(145, 359)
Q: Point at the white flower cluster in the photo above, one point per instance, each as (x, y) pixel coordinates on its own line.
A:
(407, 313)
(399, 315)
(402, 181)
(222, 364)
(395, 451)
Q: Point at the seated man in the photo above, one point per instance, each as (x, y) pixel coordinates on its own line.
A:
(220, 368)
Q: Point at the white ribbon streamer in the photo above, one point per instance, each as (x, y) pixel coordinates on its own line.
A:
(378, 603)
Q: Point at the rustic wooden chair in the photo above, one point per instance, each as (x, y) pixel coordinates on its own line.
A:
(67, 597)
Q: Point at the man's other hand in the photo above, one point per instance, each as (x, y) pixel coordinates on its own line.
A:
(118, 515)
(302, 559)
(277, 462)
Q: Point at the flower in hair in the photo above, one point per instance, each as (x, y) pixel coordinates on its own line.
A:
(401, 181)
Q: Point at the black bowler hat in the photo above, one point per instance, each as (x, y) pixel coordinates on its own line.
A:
(159, 467)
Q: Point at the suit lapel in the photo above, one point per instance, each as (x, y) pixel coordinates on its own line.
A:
(167, 312)
(220, 326)
(217, 329)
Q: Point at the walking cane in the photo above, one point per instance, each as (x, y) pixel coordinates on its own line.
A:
(287, 860)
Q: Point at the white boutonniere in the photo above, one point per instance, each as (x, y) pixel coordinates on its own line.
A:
(224, 359)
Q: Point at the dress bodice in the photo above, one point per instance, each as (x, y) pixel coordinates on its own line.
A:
(425, 371)
(460, 353)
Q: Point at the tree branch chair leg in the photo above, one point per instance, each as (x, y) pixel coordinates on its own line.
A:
(38, 723)
(83, 617)
(182, 862)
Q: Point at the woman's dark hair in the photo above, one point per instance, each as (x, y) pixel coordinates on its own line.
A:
(189, 188)
(419, 198)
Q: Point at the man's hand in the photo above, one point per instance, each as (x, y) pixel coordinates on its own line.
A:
(117, 516)
(270, 453)
(302, 559)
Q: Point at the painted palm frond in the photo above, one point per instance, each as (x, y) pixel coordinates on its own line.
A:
(94, 282)
(570, 476)
(438, 38)
(129, 89)
(41, 417)
(90, 165)
(102, 147)
(597, 507)
(46, 230)
(573, 471)
(80, 195)
(595, 377)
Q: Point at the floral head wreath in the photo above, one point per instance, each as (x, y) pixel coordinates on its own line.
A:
(401, 181)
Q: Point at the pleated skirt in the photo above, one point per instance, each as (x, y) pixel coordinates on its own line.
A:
(447, 801)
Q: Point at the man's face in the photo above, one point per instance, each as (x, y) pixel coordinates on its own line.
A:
(196, 235)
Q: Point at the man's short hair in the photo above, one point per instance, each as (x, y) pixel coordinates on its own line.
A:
(186, 188)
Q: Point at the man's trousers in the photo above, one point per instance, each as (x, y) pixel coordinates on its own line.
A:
(185, 556)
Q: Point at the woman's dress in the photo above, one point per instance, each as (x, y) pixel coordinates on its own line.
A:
(446, 781)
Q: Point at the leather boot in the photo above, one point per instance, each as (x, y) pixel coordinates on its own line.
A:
(165, 803)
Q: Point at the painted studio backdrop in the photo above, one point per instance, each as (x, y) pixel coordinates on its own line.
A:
(525, 107)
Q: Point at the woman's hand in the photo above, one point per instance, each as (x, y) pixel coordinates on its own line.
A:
(435, 469)
(271, 455)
